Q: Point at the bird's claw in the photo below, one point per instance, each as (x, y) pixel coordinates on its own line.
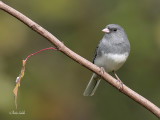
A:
(102, 70)
(120, 86)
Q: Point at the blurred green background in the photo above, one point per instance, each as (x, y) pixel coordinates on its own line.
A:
(53, 84)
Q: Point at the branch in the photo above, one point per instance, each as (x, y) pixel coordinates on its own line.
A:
(61, 47)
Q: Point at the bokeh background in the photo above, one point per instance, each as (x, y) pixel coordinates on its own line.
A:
(53, 84)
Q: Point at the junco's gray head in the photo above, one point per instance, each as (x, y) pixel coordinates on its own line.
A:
(111, 28)
(115, 31)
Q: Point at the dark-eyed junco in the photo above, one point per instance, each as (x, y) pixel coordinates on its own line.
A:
(110, 54)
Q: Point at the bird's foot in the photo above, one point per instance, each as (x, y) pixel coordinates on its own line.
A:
(102, 70)
(120, 86)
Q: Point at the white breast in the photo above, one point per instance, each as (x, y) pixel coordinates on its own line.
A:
(111, 62)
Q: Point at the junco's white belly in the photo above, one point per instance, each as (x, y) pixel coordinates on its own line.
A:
(111, 62)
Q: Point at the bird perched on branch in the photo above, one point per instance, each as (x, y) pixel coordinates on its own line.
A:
(110, 54)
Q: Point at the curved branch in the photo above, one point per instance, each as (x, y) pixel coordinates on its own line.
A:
(51, 38)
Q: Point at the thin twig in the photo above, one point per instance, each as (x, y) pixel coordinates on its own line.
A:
(51, 38)
(39, 52)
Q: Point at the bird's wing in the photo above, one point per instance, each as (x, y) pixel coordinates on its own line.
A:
(95, 53)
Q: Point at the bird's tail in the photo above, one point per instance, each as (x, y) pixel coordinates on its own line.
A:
(92, 85)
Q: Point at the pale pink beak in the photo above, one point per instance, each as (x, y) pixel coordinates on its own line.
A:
(106, 30)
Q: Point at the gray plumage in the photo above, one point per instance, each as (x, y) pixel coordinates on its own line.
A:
(111, 53)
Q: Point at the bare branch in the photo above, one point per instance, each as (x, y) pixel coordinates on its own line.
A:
(51, 38)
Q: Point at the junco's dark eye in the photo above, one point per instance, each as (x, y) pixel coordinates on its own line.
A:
(114, 29)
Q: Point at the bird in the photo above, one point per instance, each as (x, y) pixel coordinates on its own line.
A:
(110, 54)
